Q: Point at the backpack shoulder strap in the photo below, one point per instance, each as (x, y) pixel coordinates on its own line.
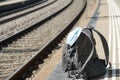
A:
(105, 46)
(87, 32)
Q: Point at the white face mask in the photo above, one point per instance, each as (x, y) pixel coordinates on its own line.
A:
(73, 36)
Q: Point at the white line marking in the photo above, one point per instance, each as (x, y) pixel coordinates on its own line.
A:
(109, 41)
(114, 23)
(117, 10)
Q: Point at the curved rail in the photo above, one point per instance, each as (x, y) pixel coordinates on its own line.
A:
(13, 37)
(28, 30)
(20, 8)
(48, 47)
(23, 14)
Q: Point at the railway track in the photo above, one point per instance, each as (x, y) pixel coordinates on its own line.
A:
(6, 17)
(29, 44)
(18, 24)
(8, 9)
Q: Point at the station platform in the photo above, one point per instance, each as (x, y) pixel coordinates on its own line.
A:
(106, 19)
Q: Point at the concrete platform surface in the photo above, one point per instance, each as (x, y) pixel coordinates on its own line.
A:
(58, 74)
(106, 19)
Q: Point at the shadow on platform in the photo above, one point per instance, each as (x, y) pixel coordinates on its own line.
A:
(58, 74)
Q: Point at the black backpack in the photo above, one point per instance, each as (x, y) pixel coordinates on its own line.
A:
(80, 59)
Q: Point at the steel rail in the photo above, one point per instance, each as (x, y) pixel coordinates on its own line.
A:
(35, 25)
(48, 47)
(11, 11)
(22, 32)
(23, 14)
